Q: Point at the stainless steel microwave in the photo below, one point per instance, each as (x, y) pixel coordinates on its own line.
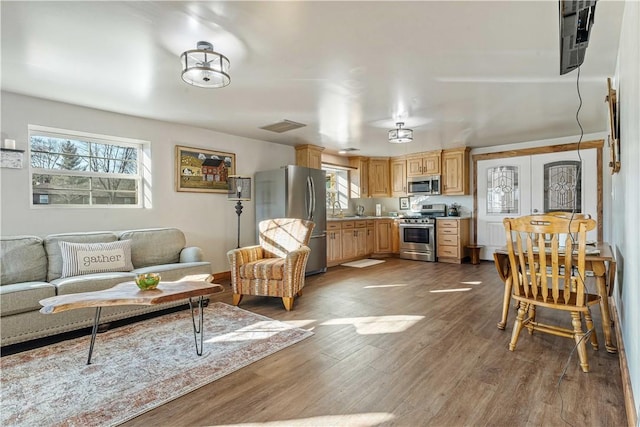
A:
(424, 185)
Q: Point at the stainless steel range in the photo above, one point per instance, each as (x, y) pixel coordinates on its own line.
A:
(418, 232)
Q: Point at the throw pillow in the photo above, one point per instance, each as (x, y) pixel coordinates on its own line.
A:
(86, 258)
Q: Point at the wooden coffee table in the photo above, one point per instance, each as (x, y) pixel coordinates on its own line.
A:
(128, 293)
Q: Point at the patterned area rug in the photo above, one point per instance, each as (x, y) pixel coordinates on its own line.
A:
(134, 368)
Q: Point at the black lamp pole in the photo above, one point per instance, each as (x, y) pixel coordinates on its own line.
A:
(239, 189)
(238, 211)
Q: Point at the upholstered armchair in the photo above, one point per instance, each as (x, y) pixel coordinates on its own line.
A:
(276, 266)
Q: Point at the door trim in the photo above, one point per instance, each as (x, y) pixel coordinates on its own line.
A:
(584, 145)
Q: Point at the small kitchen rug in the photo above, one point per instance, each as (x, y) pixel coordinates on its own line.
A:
(361, 263)
(134, 368)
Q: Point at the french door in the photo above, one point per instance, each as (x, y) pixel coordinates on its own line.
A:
(525, 185)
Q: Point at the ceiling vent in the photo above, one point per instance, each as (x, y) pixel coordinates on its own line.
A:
(347, 150)
(283, 126)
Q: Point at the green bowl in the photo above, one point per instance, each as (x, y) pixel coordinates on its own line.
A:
(148, 281)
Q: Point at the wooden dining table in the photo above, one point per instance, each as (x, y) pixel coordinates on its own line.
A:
(600, 261)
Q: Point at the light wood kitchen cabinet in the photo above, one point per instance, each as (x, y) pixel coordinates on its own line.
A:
(354, 239)
(455, 171)
(452, 240)
(383, 243)
(395, 236)
(422, 164)
(348, 244)
(359, 178)
(309, 155)
(371, 231)
(348, 239)
(379, 177)
(360, 237)
(398, 167)
(334, 243)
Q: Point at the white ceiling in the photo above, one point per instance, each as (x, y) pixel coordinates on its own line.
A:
(476, 73)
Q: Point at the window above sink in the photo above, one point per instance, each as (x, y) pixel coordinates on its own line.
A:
(337, 184)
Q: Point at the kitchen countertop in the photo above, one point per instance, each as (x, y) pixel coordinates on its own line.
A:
(354, 218)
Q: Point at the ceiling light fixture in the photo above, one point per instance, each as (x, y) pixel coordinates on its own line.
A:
(400, 135)
(203, 67)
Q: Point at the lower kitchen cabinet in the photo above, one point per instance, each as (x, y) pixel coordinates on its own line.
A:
(354, 239)
(383, 243)
(334, 243)
(452, 240)
(371, 232)
(348, 240)
(348, 244)
(395, 236)
(360, 237)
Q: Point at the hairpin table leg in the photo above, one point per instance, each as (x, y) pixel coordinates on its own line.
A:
(199, 330)
(94, 331)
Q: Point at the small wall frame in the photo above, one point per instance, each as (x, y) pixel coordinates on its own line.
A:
(404, 203)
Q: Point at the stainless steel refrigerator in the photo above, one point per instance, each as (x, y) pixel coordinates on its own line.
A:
(296, 192)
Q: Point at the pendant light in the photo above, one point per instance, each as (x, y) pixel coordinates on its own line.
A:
(399, 135)
(204, 67)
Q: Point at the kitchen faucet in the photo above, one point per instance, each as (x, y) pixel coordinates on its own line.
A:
(333, 208)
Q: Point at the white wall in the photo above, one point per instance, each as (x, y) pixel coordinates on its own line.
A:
(208, 220)
(625, 194)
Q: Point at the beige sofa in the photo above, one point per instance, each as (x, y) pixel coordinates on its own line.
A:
(31, 269)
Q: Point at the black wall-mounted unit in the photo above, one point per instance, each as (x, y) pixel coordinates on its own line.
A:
(576, 19)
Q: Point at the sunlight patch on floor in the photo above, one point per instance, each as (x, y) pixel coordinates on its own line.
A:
(300, 323)
(257, 331)
(377, 324)
(361, 420)
(442, 291)
(397, 285)
(477, 282)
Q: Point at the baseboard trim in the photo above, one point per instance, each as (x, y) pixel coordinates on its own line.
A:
(629, 402)
(222, 276)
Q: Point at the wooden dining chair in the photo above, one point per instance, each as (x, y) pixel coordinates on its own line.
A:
(570, 215)
(542, 276)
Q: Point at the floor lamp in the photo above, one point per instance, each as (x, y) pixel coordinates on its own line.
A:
(239, 190)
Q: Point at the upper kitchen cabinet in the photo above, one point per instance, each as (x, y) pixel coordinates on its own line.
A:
(398, 168)
(455, 171)
(379, 177)
(309, 155)
(421, 164)
(359, 177)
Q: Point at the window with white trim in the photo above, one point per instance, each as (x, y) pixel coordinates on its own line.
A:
(71, 168)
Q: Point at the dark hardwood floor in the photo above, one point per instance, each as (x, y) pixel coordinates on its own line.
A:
(411, 344)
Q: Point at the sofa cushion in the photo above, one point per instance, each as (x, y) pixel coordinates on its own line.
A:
(91, 282)
(24, 297)
(23, 260)
(86, 258)
(263, 269)
(54, 255)
(155, 246)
